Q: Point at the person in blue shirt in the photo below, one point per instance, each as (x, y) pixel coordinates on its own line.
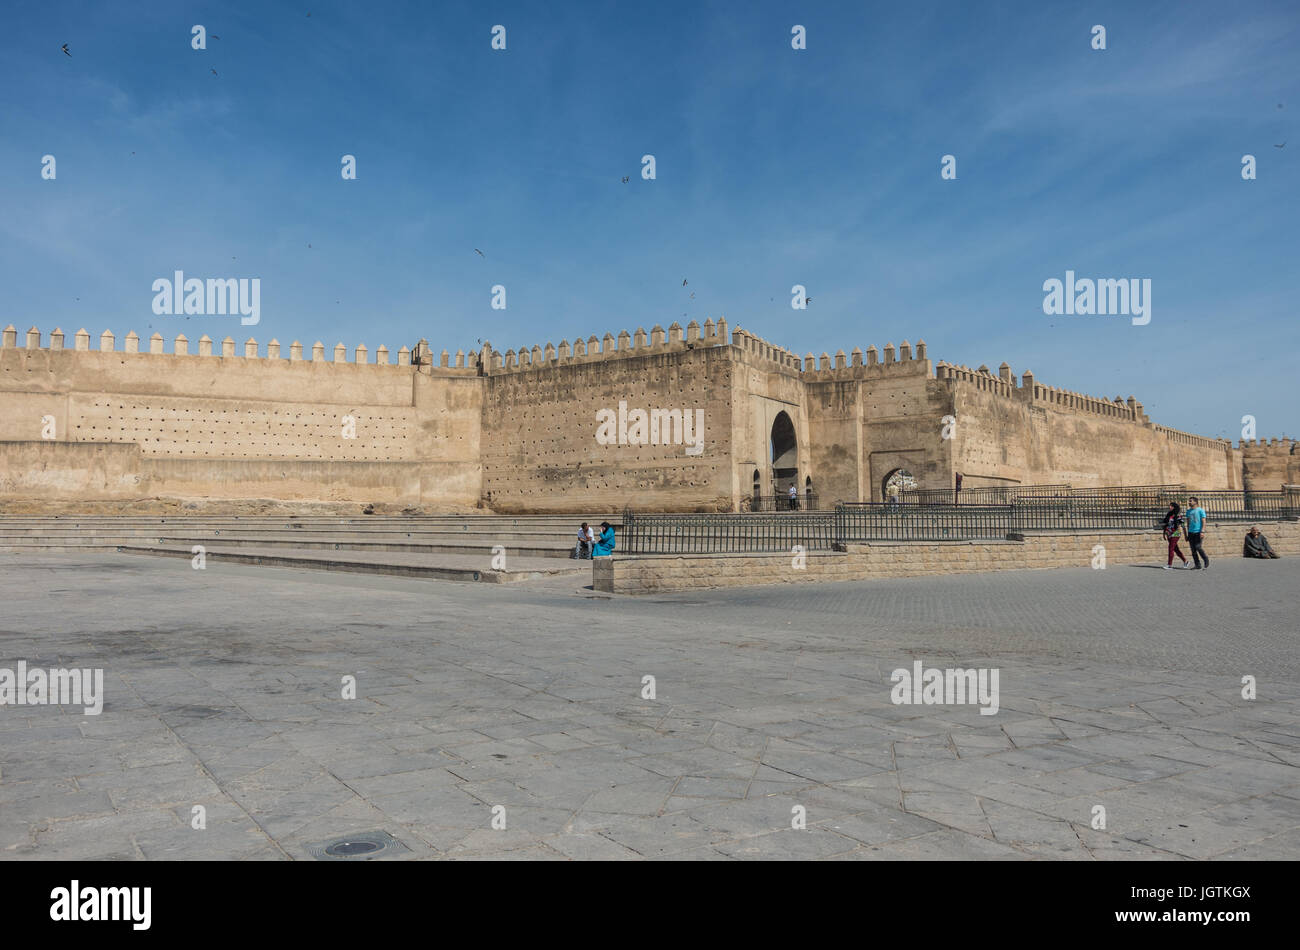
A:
(605, 543)
(1195, 525)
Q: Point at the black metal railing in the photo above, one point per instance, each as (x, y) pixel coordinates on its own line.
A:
(983, 495)
(1042, 494)
(726, 533)
(1245, 506)
(1098, 509)
(887, 521)
(804, 501)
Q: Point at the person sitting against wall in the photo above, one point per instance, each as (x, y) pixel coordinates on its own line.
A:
(605, 543)
(1256, 545)
(585, 541)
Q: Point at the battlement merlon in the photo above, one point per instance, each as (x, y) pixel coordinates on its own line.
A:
(753, 348)
(1029, 390)
(228, 348)
(593, 349)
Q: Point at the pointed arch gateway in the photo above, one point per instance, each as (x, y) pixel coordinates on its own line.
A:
(784, 448)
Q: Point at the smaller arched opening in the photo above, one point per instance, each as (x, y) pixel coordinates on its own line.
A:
(894, 484)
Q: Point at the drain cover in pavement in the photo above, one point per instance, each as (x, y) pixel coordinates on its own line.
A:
(358, 847)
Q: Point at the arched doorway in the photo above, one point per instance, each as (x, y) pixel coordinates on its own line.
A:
(756, 499)
(902, 479)
(784, 448)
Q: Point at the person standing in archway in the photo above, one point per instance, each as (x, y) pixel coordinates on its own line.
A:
(957, 495)
(794, 497)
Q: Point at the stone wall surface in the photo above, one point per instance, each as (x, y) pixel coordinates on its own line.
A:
(541, 451)
(517, 431)
(131, 425)
(1034, 435)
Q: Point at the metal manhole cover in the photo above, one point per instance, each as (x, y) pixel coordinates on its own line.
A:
(358, 847)
(351, 849)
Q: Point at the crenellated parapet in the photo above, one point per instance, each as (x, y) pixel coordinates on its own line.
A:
(760, 350)
(250, 349)
(857, 365)
(1268, 446)
(596, 349)
(1189, 438)
(676, 339)
(1034, 393)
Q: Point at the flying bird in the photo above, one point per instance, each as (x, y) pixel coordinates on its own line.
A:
(625, 179)
(1283, 145)
(479, 253)
(214, 36)
(692, 296)
(65, 50)
(683, 281)
(214, 72)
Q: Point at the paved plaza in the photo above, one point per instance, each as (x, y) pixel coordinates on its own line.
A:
(1119, 688)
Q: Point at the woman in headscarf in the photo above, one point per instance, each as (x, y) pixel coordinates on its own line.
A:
(1172, 524)
(605, 543)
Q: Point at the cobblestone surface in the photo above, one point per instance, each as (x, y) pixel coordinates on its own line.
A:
(1117, 688)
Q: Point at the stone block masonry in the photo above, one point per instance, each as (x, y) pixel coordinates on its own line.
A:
(517, 432)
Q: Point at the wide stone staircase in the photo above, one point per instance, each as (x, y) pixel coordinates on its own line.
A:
(450, 547)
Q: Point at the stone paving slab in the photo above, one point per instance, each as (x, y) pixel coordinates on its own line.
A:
(772, 733)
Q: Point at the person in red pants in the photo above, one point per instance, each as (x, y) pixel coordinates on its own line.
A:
(1172, 524)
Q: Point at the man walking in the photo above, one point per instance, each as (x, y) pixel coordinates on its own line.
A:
(1195, 524)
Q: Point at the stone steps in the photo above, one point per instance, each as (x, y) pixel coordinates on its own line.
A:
(401, 564)
(526, 536)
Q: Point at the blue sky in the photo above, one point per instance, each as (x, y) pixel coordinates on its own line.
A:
(774, 167)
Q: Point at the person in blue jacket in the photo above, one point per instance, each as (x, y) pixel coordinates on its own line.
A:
(1196, 516)
(605, 543)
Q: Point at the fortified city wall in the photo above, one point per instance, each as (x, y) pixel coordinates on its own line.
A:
(128, 424)
(1029, 433)
(1269, 465)
(540, 407)
(517, 431)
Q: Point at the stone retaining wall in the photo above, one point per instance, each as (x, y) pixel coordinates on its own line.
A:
(641, 574)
